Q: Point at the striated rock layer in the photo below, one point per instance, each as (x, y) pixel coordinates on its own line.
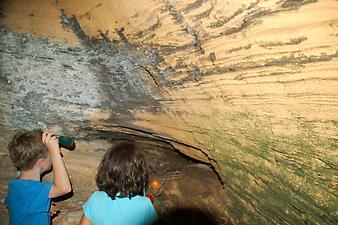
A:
(249, 87)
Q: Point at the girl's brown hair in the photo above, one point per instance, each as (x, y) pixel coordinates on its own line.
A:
(122, 170)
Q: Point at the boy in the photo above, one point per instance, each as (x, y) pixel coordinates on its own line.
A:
(29, 199)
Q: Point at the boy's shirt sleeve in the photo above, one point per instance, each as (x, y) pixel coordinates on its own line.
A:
(88, 207)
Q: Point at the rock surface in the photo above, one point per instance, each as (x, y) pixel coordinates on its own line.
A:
(249, 87)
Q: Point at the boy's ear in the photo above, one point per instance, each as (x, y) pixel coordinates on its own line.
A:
(40, 163)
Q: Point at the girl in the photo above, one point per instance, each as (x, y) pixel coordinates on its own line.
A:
(121, 179)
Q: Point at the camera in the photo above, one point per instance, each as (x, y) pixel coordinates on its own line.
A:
(66, 142)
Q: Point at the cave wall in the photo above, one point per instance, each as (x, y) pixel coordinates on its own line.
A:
(247, 86)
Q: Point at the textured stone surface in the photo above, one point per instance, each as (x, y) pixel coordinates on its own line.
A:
(247, 86)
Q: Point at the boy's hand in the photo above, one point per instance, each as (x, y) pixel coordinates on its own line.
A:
(51, 142)
(54, 211)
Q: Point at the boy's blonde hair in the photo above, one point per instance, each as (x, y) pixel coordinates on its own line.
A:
(26, 148)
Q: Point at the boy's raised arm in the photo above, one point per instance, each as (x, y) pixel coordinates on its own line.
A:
(61, 183)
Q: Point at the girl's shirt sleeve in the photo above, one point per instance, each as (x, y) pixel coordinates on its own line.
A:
(152, 215)
(88, 207)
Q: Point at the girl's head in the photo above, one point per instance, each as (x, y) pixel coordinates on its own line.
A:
(122, 170)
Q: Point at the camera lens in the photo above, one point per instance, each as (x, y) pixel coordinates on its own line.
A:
(66, 142)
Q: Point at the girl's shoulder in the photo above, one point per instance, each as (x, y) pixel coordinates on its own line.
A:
(99, 195)
(103, 196)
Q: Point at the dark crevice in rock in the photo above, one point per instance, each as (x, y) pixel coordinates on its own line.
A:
(221, 21)
(149, 30)
(75, 26)
(294, 41)
(192, 6)
(293, 4)
(123, 37)
(136, 133)
(203, 15)
(285, 60)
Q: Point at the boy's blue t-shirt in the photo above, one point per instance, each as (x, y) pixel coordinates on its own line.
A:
(28, 202)
(100, 209)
